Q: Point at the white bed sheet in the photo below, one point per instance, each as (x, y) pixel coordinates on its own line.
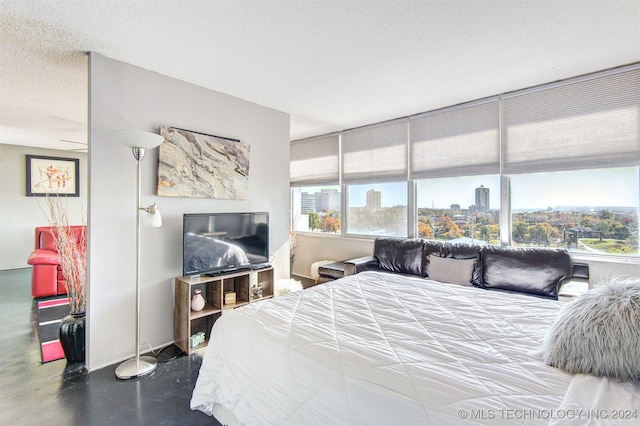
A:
(377, 348)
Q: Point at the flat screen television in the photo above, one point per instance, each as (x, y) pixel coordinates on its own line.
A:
(215, 243)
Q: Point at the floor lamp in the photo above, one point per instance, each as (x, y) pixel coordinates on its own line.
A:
(139, 142)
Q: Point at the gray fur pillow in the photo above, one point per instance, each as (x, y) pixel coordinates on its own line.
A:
(598, 333)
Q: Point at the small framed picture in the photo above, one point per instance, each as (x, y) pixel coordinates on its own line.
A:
(52, 175)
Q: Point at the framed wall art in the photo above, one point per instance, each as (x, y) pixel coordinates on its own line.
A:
(52, 175)
(197, 165)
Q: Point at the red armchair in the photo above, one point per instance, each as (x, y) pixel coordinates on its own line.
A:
(46, 275)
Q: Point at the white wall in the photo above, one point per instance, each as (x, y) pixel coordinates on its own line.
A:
(315, 247)
(19, 214)
(125, 97)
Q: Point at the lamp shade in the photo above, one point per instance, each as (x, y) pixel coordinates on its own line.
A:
(138, 138)
(153, 220)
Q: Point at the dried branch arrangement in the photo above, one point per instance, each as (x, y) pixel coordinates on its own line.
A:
(293, 244)
(72, 254)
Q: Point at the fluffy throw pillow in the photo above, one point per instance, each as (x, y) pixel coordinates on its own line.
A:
(450, 270)
(598, 333)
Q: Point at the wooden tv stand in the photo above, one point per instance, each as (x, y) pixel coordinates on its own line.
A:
(187, 323)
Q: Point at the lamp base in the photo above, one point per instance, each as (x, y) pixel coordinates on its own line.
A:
(130, 369)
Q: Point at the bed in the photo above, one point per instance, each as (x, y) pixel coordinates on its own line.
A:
(385, 348)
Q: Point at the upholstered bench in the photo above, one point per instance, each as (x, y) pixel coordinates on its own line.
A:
(330, 272)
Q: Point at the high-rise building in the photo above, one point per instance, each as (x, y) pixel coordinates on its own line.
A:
(482, 198)
(327, 200)
(307, 203)
(374, 199)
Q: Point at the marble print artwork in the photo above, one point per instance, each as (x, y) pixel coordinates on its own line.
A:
(202, 166)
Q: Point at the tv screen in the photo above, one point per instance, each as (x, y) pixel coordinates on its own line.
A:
(222, 242)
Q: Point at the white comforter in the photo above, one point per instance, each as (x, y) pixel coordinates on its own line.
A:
(382, 349)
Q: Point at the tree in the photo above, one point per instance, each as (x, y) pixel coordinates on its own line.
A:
(520, 231)
(605, 214)
(425, 220)
(494, 232)
(485, 234)
(620, 232)
(542, 233)
(393, 219)
(330, 224)
(446, 223)
(606, 227)
(425, 230)
(587, 221)
(452, 233)
(448, 228)
(314, 221)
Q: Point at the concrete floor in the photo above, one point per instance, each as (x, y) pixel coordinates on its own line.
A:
(32, 393)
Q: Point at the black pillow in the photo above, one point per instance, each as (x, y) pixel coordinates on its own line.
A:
(461, 250)
(399, 255)
(528, 270)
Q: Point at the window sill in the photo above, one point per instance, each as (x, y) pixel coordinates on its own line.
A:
(605, 258)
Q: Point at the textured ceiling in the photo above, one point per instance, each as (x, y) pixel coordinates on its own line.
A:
(331, 64)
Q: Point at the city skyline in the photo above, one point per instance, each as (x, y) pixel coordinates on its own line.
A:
(586, 188)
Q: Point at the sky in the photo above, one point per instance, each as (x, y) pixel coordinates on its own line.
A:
(442, 193)
(590, 188)
(605, 187)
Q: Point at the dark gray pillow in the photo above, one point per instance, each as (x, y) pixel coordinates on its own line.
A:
(403, 255)
(461, 250)
(531, 270)
(598, 333)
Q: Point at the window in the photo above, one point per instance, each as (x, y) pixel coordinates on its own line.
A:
(554, 165)
(465, 209)
(316, 203)
(377, 209)
(592, 211)
(317, 209)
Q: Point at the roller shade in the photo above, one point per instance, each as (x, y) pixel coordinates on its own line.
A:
(375, 154)
(315, 161)
(579, 124)
(461, 141)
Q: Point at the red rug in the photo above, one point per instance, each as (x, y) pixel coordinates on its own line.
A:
(50, 313)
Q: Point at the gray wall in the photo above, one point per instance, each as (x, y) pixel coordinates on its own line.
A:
(19, 214)
(125, 97)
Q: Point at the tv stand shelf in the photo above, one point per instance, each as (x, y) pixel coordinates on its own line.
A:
(187, 323)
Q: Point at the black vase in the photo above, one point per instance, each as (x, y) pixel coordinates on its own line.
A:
(72, 337)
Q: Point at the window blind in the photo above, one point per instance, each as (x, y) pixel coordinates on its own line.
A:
(461, 141)
(315, 161)
(375, 154)
(578, 124)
